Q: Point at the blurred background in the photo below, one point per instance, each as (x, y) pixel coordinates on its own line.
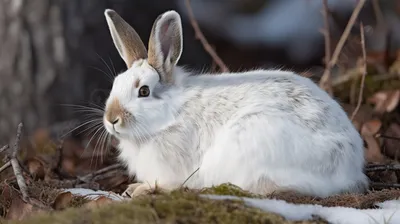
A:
(57, 62)
(55, 52)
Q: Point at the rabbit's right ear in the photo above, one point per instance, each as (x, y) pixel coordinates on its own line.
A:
(165, 44)
(128, 43)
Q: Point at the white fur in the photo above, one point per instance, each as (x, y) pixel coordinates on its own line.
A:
(262, 130)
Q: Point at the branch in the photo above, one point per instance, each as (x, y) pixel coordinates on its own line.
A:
(100, 172)
(364, 71)
(327, 39)
(203, 40)
(17, 168)
(5, 166)
(325, 81)
(4, 148)
(374, 168)
(89, 180)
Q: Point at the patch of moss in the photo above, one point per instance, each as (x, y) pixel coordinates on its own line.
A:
(229, 189)
(164, 208)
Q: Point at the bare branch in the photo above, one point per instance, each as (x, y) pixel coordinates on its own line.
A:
(4, 148)
(203, 40)
(363, 71)
(16, 167)
(327, 38)
(5, 166)
(89, 177)
(380, 167)
(325, 81)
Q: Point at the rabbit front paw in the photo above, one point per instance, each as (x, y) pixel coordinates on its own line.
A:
(136, 189)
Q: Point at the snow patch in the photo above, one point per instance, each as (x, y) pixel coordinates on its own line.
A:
(388, 213)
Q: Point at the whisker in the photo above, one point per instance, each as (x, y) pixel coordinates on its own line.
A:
(110, 78)
(96, 125)
(99, 109)
(112, 65)
(79, 126)
(109, 69)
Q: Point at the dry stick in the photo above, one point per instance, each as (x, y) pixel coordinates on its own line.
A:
(326, 77)
(327, 34)
(89, 177)
(203, 40)
(364, 71)
(5, 166)
(374, 168)
(378, 12)
(17, 168)
(4, 148)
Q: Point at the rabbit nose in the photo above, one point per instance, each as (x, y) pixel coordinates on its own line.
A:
(116, 120)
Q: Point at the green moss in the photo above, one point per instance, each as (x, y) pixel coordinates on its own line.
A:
(229, 189)
(164, 208)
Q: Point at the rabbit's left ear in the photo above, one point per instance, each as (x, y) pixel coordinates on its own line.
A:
(165, 44)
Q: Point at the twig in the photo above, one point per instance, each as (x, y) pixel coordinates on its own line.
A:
(378, 12)
(17, 168)
(364, 71)
(387, 137)
(90, 176)
(203, 40)
(325, 81)
(327, 35)
(374, 168)
(4, 148)
(5, 166)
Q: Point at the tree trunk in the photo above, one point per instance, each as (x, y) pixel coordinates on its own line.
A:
(51, 52)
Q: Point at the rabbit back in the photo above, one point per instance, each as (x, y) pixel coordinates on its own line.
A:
(275, 130)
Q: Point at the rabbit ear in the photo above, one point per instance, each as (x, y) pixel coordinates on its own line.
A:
(125, 38)
(165, 44)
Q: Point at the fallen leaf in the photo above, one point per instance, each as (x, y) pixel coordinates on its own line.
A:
(373, 152)
(20, 210)
(35, 168)
(371, 127)
(385, 101)
(62, 200)
(100, 201)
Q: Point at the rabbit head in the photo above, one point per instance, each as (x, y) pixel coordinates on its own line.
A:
(140, 99)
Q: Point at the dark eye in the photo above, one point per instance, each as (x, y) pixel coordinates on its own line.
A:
(144, 91)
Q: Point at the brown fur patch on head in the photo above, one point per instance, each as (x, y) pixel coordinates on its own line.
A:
(137, 83)
(114, 111)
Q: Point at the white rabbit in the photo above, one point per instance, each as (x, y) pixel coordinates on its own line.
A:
(262, 130)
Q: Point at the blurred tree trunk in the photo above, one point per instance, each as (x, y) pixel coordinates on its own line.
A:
(49, 50)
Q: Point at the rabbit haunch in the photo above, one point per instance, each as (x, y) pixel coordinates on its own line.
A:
(262, 130)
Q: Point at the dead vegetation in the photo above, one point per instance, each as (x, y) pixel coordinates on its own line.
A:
(35, 168)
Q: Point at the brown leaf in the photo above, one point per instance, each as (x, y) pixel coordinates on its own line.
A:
(373, 152)
(62, 200)
(385, 101)
(371, 127)
(35, 168)
(19, 209)
(100, 201)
